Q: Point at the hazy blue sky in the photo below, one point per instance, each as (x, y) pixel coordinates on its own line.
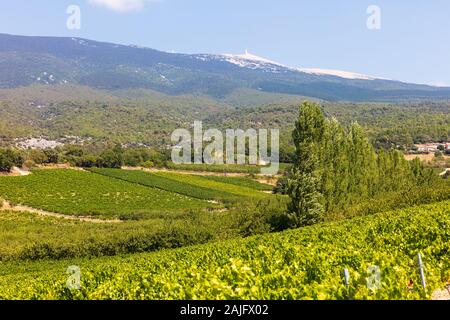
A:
(412, 45)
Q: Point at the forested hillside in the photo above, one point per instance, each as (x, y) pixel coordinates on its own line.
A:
(148, 117)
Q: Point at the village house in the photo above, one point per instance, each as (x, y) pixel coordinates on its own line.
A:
(431, 147)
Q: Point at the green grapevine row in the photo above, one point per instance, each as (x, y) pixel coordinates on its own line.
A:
(299, 264)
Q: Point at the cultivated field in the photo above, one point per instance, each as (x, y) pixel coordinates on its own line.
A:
(65, 213)
(307, 263)
(219, 187)
(180, 236)
(222, 169)
(83, 193)
(202, 187)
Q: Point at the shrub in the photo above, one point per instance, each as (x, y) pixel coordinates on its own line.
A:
(282, 184)
(52, 155)
(109, 159)
(148, 164)
(268, 215)
(29, 164)
(88, 161)
(37, 156)
(6, 163)
(10, 158)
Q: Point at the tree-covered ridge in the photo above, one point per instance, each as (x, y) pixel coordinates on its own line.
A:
(145, 116)
(387, 125)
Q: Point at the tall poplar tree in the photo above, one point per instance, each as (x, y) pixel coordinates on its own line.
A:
(305, 207)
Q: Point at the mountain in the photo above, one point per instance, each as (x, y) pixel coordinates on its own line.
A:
(25, 61)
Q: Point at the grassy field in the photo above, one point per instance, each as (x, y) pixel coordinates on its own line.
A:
(307, 263)
(87, 194)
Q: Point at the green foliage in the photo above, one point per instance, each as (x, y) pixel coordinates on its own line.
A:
(144, 116)
(82, 193)
(112, 158)
(305, 207)
(220, 187)
(27, 236)
(37, 156)
(10, 158)
(167, 183)
(215, 168)
(281, 186)
(336, 168)
(145, 157)
(308, 135)
(298, 264)
(6, 162)
(387, 125)
(263, 216)
(438, 191)
(88, 161)
(241, 181)
(51, 155)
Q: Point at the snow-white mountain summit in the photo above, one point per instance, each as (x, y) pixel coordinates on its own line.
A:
(248, 60)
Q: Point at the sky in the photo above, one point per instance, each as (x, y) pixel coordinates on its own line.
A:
(407, 40)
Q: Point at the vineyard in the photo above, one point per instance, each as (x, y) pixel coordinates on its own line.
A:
(27, 236)
(222, 168)
(219, 187)
(306, 263)
(241, 181)
(143, 212)
(216, 168)
(86, 194)
(185, 184)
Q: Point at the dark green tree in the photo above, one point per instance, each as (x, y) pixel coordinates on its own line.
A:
(112, 158)
(6, 161)
(305, 207)
(10, 158)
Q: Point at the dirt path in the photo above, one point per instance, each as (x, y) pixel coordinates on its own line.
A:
(58, 166)
(15, 172)
(443, 294)
(7, 206)
(271, 181)
(20, 172)
(424, 157)
(443, 173)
